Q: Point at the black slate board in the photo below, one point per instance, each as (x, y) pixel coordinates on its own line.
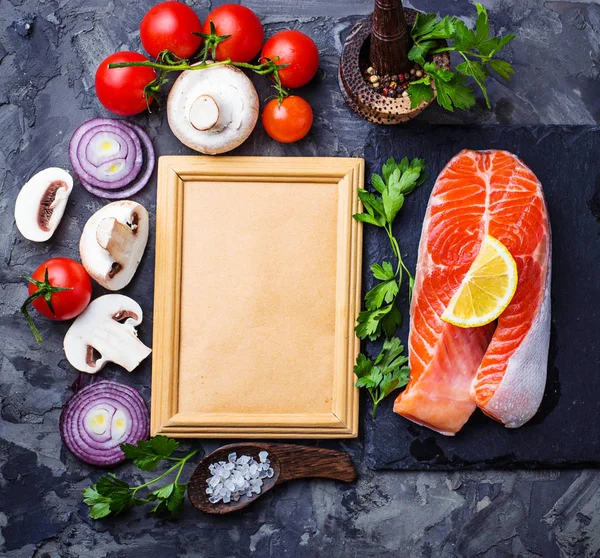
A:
(566, 430)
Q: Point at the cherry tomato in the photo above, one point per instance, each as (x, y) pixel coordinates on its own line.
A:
(121, 90)
(171, 26)
(66, 273)
(296, 49)
(289, 121)
(245, 28)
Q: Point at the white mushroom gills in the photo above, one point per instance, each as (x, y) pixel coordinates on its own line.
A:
(105, 332)
(113, 242)
(212, 110)
(41, 203)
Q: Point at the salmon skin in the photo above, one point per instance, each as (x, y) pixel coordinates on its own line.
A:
(500, 367)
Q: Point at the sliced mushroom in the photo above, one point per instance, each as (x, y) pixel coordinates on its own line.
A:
(113, 243)
(212, 110)
(41, 203)
(105, 332)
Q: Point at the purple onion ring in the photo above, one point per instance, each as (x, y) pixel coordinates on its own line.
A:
(139, 183)
(88, 171)
(95, 160)
(103, 448)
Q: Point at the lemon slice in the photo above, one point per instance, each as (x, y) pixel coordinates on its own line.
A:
(487, 289)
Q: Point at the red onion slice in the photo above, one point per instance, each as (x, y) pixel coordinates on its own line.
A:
(98, 175)
(141, 180)
(116, 174)
(97, 152)
(101, 417)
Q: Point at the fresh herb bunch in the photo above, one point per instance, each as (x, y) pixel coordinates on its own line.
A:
(388, 371)
(168, 62)
(477, 47)
(111, 495)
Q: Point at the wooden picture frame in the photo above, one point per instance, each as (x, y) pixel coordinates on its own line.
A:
(257, 289)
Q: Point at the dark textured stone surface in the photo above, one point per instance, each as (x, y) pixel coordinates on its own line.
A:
(46, 90)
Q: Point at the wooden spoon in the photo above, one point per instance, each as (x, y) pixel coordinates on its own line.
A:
(288, 461)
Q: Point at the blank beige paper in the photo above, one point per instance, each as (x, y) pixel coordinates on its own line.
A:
(259, 264)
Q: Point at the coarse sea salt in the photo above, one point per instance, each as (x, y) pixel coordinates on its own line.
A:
(237, 476)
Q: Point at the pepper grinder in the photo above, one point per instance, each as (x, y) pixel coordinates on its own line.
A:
(381, 41)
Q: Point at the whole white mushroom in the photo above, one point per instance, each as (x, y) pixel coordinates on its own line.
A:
(213, 110)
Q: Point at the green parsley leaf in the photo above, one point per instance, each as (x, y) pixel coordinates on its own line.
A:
(450, 88)
(111, 495)
(387, 372)
(176, 499)
(482, 26)
(385, 291)
(164, 492)
(419, 51)
(383, 272)
(479, 73)
(160, 508)
(366, 382)
(169, 498)
(371, 202)
(388, 384)
(391, 356)
(464, 38)
(119, 495)
(427, 27)
(420, 91)
(419, 164)
(99, 504)
(363, 366)
(388, 168)
(408, 181)
(385, 375)
(477, 48)
(502, 68)
(391, 321)
(367, 218)
(393, 201)
(369, 322)
(148, 454)
(378, 183)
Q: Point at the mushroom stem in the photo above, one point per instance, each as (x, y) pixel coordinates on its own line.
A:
(204, 113)
(116, 238)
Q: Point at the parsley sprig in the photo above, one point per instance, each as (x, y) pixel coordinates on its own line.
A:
(478, 49)
(387, 373)
(382, 315)
(112, 496)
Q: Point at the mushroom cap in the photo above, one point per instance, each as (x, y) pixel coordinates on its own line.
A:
(236, 101)
(113, 242)
(41, 203)
(105, 332)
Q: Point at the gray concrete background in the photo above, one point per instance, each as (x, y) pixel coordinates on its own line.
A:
(49, 50)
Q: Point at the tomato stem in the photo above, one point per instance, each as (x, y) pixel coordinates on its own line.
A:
(211, 41)
(46, 290)
(165, 63)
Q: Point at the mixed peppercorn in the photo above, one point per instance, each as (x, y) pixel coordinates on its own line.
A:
(392, 85)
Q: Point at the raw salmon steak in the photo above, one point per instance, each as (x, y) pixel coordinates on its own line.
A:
(500, 367)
